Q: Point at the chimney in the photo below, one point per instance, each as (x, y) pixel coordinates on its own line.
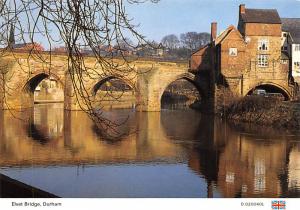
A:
(242, 9)
(213, 31)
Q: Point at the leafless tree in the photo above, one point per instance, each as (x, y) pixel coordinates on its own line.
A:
(194, 40)
(73, 24)
(170, 41)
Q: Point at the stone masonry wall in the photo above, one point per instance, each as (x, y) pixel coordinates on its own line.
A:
(149, 80)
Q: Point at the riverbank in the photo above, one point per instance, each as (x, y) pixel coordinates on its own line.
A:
(265, 111)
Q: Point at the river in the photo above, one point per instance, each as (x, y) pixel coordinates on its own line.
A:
(175, 153)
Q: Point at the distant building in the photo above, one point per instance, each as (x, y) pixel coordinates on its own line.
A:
(291, 43)
(28, 46)
(22, 46)
(60, 49)
(160, 50)
(152, 50)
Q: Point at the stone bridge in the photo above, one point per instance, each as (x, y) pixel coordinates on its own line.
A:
(21, 75)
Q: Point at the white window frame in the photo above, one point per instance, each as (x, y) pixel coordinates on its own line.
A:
(263, 44)
(233, 52)
(263, 60)
(297, 47)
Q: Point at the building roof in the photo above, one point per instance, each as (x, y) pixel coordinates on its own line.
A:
(270, 16)
(225, 34)
(292, 25)
(19, 45)
(201, 50)
(22, 45)
(284, 56)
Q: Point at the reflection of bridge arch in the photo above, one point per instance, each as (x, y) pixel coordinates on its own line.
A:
(191, 121)
(37, 134)
(272, 88)
(42, 126)
(185, 76)
(99, 83)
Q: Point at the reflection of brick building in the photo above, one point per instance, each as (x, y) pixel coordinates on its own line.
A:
(247, 57)
(250, 161)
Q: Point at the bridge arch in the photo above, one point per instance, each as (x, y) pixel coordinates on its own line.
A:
(271, 87)
(185, 76)
(121, 93)
(96, 86)
(30, 85)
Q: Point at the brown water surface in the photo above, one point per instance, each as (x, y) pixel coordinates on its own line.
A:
(175, 153)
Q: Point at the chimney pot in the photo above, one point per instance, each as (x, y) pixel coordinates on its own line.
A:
(242, 9)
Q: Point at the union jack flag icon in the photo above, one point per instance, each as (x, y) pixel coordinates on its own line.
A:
(278, 205)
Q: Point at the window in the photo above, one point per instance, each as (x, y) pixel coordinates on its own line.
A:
(297, 47)
(230, 177)
(296, 65)
(262, 60)
(284, 48)
(233, 51)
(284, 34)
(259, 176)
(263, 44)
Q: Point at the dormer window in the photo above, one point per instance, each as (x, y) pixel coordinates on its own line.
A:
(263, 44)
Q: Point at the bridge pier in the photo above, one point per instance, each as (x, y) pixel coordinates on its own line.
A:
(149, 90)
(1, 125)
(1, 91)
(148, 102)
(69, 102)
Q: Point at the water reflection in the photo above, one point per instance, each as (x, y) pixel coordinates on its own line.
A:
(169, 154)
(43, 125)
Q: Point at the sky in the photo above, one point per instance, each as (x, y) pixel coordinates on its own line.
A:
(157, 20)
(179, 16)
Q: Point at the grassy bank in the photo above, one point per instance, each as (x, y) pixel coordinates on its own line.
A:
(263, 111)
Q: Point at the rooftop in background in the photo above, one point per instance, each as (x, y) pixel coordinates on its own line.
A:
(284, 56)
(292, 25)
(28, 46)
(270, 16)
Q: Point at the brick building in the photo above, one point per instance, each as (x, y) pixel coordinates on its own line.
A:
(291, 44)
(248, 57)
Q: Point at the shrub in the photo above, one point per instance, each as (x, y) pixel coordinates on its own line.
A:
(263, 111)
